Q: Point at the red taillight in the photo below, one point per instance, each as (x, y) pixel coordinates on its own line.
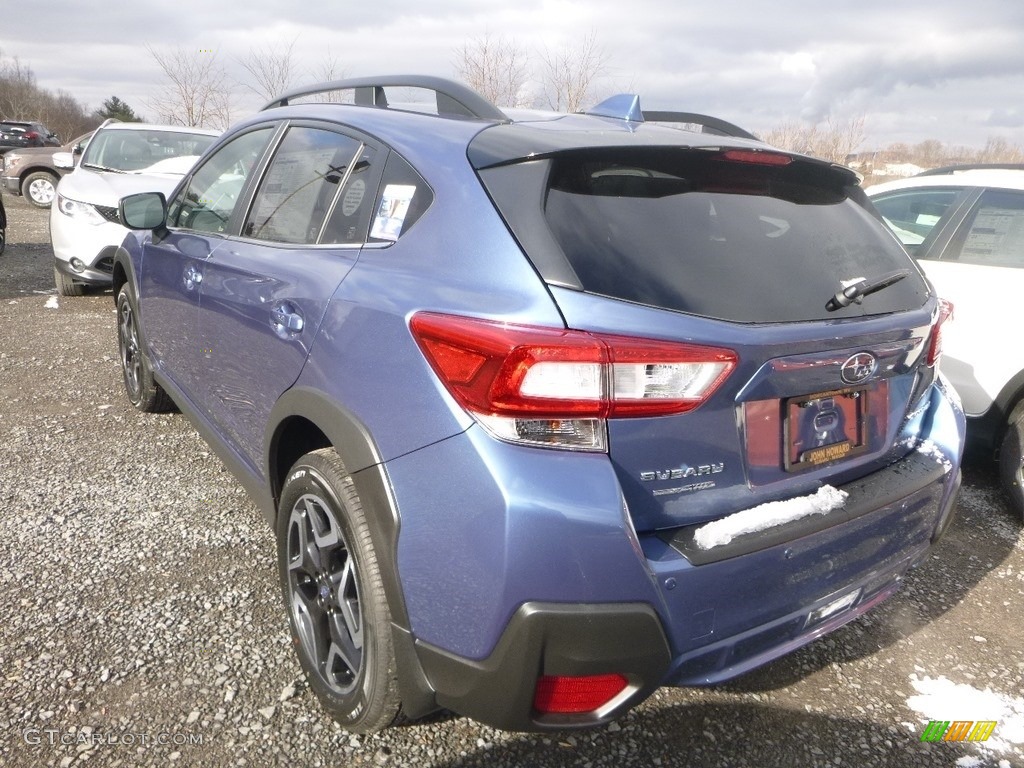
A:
(555, 387)
(576, 695)
(935, 340)
(30, 135)
(757, 157)
(498, 369)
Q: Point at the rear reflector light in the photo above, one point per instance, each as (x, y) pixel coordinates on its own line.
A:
(935, 341)
(552, 386)
(756, 157)
(576, 695)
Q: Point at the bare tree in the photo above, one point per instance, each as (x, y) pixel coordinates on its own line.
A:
(326, 71)
(793, 136)
(271, 69)
(22, 99)
(998, 150)
(929, 153)
(197, 91)
(496, 68)
(63, 114)
(568, 73)
(18, 90)
(834, 140)
(329, 68)
(841, 138)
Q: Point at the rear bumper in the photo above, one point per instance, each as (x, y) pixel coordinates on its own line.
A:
(552, 639)
(806, 585)
(698, 640)
(12, 185)
(542, 575)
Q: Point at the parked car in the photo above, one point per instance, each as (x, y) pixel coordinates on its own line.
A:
(965, 225)
(17, 134)
(121, 158)
(547, 410)
(31, 172)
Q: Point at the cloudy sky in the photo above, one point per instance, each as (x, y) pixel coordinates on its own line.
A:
(915, 69)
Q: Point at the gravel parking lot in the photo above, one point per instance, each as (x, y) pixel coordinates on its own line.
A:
(141, 622)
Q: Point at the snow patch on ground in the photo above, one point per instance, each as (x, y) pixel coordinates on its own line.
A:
(968, 761)
(51, 303)
(942, 699)
(765, 516)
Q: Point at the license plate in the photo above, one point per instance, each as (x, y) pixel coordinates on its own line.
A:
(824, 427)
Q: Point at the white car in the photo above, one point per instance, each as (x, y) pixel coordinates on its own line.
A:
(965, 226)
(121, 159)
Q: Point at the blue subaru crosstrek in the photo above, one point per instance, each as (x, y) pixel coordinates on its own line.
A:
(547, 410)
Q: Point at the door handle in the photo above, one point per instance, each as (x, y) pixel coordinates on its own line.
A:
(286, 320)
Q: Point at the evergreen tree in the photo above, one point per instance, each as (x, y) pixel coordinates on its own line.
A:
(114, 107)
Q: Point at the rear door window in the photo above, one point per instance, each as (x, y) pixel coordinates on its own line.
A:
(300, 186)
(696, 232)
(993, 233)
(349, 220)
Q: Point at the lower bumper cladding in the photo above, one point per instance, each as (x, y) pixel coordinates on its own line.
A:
(757, 598)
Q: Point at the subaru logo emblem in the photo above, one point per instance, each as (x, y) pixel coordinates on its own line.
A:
(859, 367)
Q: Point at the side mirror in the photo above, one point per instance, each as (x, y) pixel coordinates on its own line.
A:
(146, 210)
(63, 160)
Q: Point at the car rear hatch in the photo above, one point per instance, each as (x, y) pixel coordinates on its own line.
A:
(749, 261)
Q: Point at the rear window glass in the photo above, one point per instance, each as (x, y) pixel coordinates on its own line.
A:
(693, 232)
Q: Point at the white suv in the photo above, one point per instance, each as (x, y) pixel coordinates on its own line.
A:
(965, 226)
(121, 159)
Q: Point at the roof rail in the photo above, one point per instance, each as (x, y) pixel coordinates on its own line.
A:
(948, 169)
(452, 98)
(716, 125)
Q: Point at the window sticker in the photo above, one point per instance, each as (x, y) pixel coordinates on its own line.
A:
(353, 197)
(394, 207)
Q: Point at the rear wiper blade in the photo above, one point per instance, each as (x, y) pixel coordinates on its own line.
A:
(860, 289)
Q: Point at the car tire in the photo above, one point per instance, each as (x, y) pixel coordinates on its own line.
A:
(1011, 461)
(140, 386)
(334, 595)
(65, 285)
(39, 188)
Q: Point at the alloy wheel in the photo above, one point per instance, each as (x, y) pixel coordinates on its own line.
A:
(128, 342)
(324, 599)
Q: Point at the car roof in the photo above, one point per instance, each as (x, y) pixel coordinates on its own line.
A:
(492, 136)
(1003, 178)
